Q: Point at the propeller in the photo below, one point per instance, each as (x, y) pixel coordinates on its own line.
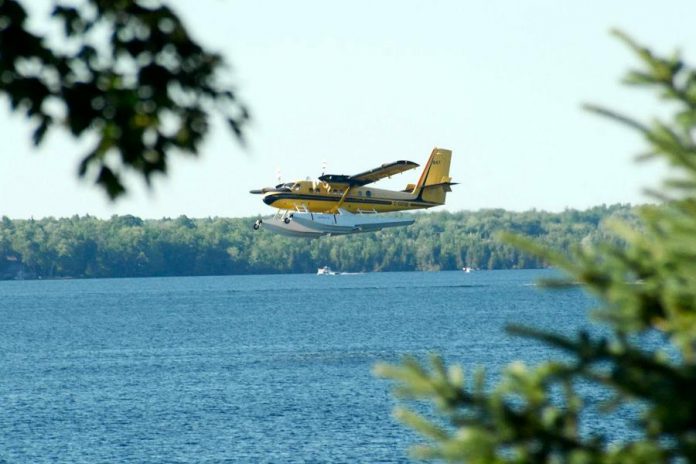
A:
(268, 189)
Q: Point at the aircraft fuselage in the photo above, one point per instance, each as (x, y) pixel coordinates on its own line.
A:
(337, 204)
(319, 198)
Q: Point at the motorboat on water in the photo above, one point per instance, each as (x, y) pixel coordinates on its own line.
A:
(326, 270)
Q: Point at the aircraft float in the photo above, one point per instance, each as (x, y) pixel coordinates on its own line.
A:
(338, 204)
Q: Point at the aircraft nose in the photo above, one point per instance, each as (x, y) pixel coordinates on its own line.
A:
(269, 199)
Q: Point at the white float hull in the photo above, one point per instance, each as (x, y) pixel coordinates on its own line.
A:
(315, 225)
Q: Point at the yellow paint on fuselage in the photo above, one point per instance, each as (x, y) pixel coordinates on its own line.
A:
(329, 196)
(358, 199)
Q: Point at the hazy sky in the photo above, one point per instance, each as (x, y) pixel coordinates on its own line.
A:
(357, 84)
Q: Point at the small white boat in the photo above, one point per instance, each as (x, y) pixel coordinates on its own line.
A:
(467, 269)
(326, 270)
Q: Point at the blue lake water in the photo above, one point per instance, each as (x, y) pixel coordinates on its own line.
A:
(245, 368)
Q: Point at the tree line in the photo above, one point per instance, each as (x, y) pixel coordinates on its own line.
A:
(127, 246)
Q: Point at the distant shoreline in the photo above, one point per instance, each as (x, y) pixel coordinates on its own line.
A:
(127, 246)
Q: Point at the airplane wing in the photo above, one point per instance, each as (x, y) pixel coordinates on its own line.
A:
(373, 175)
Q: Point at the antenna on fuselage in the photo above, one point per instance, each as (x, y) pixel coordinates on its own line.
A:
(323, 167)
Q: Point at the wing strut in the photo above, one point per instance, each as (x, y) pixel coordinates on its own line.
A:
(343, 198)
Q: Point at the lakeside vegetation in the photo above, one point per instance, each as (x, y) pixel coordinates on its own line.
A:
(643, 360)
(127, 246)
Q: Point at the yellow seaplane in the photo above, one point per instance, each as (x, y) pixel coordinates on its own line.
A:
(337, 204)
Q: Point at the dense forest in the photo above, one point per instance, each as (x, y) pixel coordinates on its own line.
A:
(127, 246)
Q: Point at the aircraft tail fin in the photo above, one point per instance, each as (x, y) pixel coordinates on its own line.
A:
(435, 182)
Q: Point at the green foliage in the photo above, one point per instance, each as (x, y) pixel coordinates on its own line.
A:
(646, 287)
(125, 74)
(129, 246)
